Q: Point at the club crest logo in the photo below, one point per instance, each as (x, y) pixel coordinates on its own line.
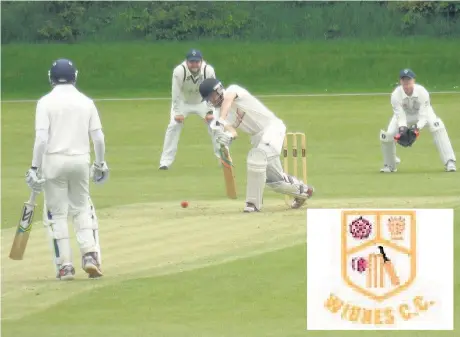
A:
(378, 252)
(380, 269)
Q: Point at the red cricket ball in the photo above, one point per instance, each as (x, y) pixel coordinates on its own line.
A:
(184, 204)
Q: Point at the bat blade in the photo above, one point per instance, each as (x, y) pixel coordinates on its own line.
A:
(389, 268)
(229, 175)
(23, 230)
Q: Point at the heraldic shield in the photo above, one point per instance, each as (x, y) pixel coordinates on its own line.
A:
(379, 251)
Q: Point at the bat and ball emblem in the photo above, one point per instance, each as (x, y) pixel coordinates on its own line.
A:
(389, 268)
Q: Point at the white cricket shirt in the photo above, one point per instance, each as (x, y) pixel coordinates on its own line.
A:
(69, 116)
(412, 109)
(185, 86)
(247, 113)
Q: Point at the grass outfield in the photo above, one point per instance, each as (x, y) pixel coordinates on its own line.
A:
(207, 270)
(141, 69)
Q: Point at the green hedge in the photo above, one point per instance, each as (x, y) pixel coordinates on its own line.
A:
(74, 21)
(145, 69)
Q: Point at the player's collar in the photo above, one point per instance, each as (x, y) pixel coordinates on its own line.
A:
(66, 86)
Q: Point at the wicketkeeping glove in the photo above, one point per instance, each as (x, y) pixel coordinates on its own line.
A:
(99, 172)
(33, 181)
(407, 136)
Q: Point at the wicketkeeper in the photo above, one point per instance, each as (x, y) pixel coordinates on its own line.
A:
(239, 110)
(412, 111)
(65, 120)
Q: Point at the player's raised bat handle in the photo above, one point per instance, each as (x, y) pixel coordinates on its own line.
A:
(33, 196)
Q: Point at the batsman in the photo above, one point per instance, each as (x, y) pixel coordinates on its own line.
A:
(239, 110)
(65, 120)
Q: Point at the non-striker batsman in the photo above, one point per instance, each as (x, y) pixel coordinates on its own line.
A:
(186, 100)
(412, 111)
(65, 120)
(240, 110)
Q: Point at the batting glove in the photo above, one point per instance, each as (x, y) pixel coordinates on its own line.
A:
(99, 172)
(215, 126)
(33, 181)
(224, 138)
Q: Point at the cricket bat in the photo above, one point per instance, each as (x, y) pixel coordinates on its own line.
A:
(23, 230)
(229, 176)
(389, 268)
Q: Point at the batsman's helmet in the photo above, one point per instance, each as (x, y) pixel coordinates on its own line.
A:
(207, 87)
(62, 71)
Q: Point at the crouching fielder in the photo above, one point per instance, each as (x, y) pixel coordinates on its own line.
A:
(186, 100)
(64, 120)
(241, 110)
(412, 111)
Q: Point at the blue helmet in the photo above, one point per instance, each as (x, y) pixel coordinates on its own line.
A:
(62, 71)
(207, 87)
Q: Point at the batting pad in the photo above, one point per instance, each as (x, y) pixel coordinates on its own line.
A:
(95, 222)
(256, 177)
(58, 233)
(288, 188)
(85, 226)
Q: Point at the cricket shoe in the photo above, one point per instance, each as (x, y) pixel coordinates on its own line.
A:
(91, 266)
(66, 273)
(163, 167)
(250, 208)
(306, 192)
(450, 166)
(388, 169)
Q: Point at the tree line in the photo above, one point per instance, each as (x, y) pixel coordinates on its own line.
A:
(79, 21)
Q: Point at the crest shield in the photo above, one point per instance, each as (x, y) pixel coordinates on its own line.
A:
(378, 251)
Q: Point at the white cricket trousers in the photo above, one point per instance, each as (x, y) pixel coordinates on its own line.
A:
(67, 184)
(271, 140)
(174, 130)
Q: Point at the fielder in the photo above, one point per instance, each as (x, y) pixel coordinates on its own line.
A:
(186, 100)
(412, 111)
(65, 118)
(241, 110)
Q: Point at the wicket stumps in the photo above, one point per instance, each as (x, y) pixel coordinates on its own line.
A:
(290, 146)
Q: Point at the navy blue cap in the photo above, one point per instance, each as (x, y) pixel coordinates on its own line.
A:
(406, 73)
(194, 55)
